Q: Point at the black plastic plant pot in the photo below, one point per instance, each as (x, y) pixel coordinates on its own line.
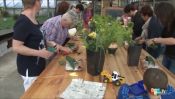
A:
(112, 50)
(134, 55)
(95, 62)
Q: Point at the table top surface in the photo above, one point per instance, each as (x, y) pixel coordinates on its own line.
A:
(54, 79)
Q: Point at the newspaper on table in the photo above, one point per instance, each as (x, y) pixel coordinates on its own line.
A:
(80, 89)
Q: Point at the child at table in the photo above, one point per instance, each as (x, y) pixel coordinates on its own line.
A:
(155, 86)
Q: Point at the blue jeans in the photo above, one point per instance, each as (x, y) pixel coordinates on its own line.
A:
(169, 63)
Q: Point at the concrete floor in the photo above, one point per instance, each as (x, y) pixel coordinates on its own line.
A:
(11, 84)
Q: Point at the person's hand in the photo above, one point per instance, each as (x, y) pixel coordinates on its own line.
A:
(58, 47)
(150, 42)
(44, 53)
(140, 40)
(65, 50)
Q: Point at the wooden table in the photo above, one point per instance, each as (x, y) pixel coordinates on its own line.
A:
(54, 79)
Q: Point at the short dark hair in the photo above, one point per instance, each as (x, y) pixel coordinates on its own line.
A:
(80, 7)
(129, 7)
(146, 11)
(136, 5)
(165, 12)
(155, 78)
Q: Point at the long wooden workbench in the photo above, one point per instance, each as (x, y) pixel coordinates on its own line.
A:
(54, 79)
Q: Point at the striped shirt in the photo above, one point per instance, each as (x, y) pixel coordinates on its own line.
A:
(54, 31)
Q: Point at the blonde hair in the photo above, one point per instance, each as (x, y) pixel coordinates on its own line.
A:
(28, 3)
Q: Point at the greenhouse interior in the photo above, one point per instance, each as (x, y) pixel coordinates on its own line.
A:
(87, 49)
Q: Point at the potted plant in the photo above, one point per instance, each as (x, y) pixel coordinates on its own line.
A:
(103, 31)
(95, 54)
(112, 48)
(133, 50)
(119, 34)
(133, 54)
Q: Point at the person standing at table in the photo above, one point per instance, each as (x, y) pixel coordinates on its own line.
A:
(56, 31)
(165, 12)
(28, 43)
(87, 15)
(151, 29)
(136, 18)
(75, 12)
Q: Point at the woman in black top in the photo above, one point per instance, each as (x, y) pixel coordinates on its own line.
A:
(28, 43)
(131, 10)
(165, 12)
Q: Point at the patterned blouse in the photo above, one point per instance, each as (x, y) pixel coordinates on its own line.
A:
(53, 30)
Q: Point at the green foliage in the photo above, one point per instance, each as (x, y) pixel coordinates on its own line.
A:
(3, 12)
(1, 9)
(79, 26)
(15, 17)
(6, 23)
(108, 30)
(71, 61)
(41, 19)
(150, 60)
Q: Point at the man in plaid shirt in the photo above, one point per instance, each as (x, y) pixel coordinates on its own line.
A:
(55, 31)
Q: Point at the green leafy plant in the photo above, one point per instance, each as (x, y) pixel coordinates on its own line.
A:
(105, 30)
(7, 24)
(15, 17)
(71, 61)
(3, 12)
